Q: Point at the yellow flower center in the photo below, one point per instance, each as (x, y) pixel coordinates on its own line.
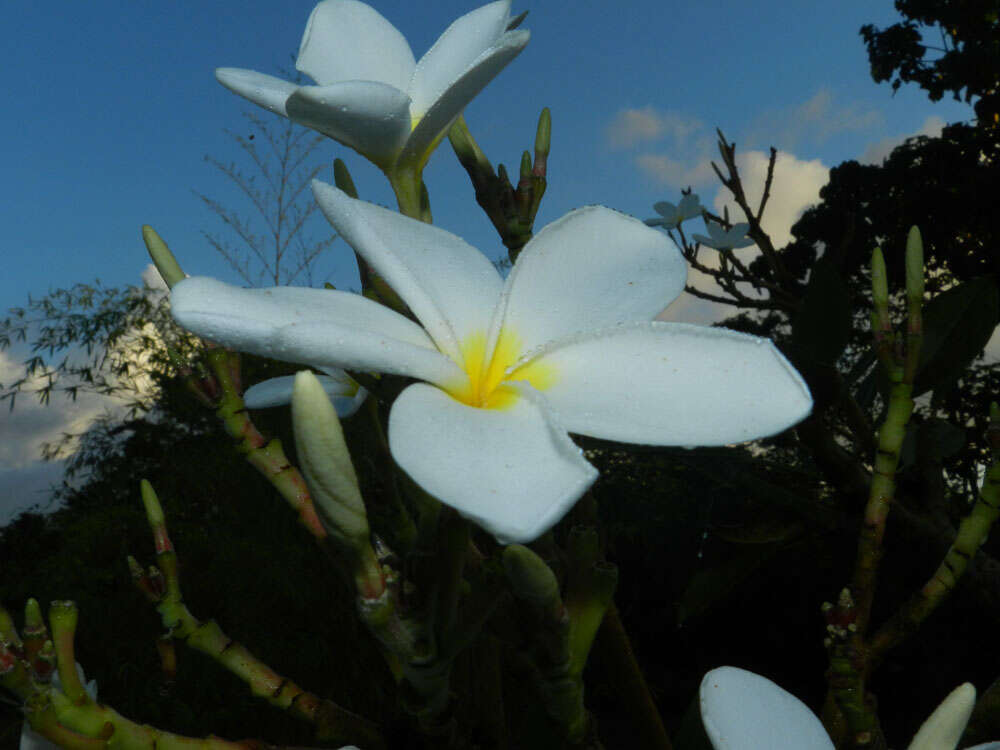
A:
(486, 387)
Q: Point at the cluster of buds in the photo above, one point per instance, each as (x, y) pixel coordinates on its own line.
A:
(512, 210)
(42, 671)
(840, 619)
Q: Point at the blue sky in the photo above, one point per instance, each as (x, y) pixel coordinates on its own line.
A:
(112, 107)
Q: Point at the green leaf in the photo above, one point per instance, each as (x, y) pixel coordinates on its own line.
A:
(822, 326)
(710, 586)
(957, 325)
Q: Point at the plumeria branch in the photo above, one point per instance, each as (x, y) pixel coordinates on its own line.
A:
(161, 585)
(849, 620)
(735, 185)
(971, 535)
(59, 707)
(220, 387)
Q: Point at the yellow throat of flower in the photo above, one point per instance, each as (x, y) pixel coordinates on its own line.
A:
(487, 386)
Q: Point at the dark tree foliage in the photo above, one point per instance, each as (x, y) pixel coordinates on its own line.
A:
(947, 186)
(965, 63)
(243, 556)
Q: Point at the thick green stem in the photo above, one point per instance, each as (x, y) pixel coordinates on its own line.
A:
(624, 673)
(850, 652)
(972, 533)
(411, 196)
(330, 719)
(268, 457)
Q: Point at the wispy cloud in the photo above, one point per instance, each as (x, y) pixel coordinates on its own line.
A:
(814, 121)
(682, 154)
(879, 151)
(631, 127)
(668, 171)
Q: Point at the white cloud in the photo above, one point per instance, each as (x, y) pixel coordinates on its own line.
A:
(30, 425)
(631, 127)
(25, 478)
(878, 152)
(795, 188)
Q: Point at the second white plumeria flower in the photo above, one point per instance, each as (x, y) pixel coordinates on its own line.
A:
(346, 395)
(671, 216)
(744, 711)
(723, 239)
(566, 344)
(371, 94)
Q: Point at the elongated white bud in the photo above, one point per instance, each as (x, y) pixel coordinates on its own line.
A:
(325, 461)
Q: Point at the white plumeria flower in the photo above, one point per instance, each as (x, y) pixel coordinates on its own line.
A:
(32, 740)
(671, 215)
(346, 395)
(566, 344)
(721, 239)
(371, 94)
(744, 711)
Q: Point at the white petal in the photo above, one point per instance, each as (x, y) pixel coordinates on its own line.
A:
(266, 91)
(985, 746)
(455, 50)
(240, 318)
(346, 40)
(448, 105)
(744, 711)
(348, 347)
(591, 269)
(512, 471)
(672, 384)
(666, 209)
(450, 286)
(372, 118)
(943, 728)
(345, 394)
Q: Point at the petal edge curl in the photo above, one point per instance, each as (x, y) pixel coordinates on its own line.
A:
(347, 40)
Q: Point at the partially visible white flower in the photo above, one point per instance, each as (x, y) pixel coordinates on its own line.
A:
(721, 239)
(744, 711)
(32, 740)
(671, 215)
(371, 94)
(509, 368)
(346, 395)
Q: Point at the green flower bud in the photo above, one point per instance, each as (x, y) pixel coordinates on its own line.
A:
(880, 281)
(530, 578)
(342, 178)
(914, 265)
(543, 135)
(161, 256)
